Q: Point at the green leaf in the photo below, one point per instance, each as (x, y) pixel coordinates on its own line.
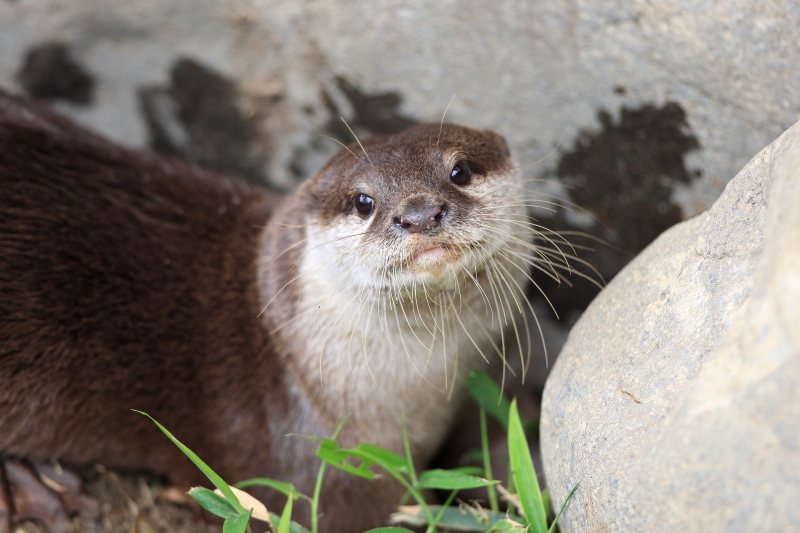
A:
(213, 476)
(338, 458)
(281, 486)
(473, 455)
(212, 502)
(546, 499)
(522, 471)
(236, 523)
(471, 470)
(449, 480)
(384, 457)
(286, 516)
(487, 394)
(331, 453)
(409, 469)
(459, 518)
(505, 525)
(555, 520)
(531, 427)
(294, 527)
(389, 530)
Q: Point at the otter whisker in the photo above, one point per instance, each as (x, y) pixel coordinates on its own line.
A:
(364, 340)
(417, 313)
(536, 229)
(503, 293)
(331, 241)
(480, 289)
(498, 302)
(528, 302)
(490, 339)
(469, 335)
(343, 145)
(306, 251)
(536, 262)
(535, 249)
(276, 329)
(453, 311)
(559, 201)
(550, 153)
(408, 354)
(441, 122)
(331, 330)
(410, 327)
(519, 291)
(315, 268)
(358, 141)
(352, 328)
(385, 306)
(536, 233)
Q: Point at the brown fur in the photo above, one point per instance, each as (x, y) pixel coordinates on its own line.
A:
(132, 281)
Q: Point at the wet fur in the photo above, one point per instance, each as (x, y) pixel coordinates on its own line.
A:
(235, 315)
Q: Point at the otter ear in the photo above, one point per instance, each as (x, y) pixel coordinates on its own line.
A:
(500, 143)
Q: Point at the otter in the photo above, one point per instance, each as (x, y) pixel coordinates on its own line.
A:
(235, 315)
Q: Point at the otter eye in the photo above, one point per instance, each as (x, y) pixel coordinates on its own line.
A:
(364, 204)
(461, 175)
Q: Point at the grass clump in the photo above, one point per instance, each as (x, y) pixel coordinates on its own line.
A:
(522, 492)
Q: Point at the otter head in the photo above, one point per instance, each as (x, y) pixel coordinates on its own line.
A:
(425, 210)
(416, 244)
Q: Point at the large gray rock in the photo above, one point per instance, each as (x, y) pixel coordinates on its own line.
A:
(676, 399)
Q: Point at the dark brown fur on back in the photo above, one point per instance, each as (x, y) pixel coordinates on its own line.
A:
(127, 282)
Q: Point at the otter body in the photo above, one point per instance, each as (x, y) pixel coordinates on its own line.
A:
(234, 315)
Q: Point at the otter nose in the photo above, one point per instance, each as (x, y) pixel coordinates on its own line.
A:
(419, 220)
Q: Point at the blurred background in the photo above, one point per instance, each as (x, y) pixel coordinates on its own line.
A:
(639, 112)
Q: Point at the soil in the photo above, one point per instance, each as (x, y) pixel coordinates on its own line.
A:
(131, 503)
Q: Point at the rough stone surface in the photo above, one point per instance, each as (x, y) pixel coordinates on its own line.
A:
(675, 401)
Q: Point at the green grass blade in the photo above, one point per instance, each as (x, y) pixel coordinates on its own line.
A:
(294, 527)
(315, 498)
(503, 525)
(487, 461)
(525, 480)
(331, 453)
(440, 514)
(213, 476)
(460, 518)
(389, 530)
(473, 455)
(555, 520)
(450, 480)
(236, 523)
(471, 470)
(385, 458)
(212, 502)
(281, 486)
(487, 394)
(410, 470)
(546, 500)
(286, 516)
(318, 484)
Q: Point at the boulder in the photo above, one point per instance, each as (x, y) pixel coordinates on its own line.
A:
(676, 399)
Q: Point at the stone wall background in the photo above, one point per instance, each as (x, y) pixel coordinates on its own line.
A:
(646, 108)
